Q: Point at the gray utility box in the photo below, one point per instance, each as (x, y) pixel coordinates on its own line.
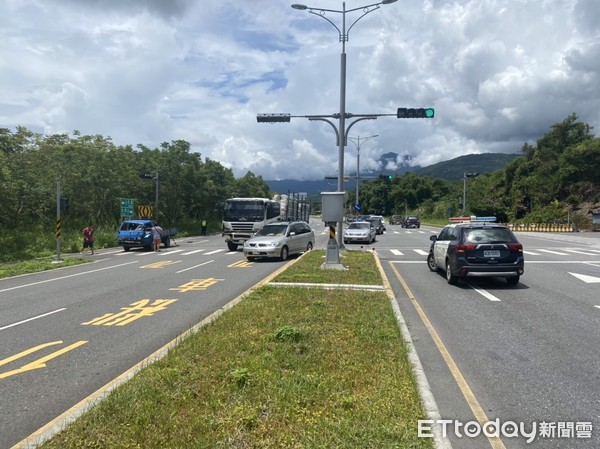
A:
(333, 206)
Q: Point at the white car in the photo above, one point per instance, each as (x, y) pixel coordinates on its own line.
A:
(360, 231)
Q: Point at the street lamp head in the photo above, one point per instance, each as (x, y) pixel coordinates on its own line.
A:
(387, 2)
(303, 7)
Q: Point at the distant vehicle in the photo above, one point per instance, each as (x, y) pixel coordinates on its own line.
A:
(243, 217)
(381, 219)
(360, 231)
(280, 240)
(396, 219)
(476, 249)
(379, 227)
(411, 222)
(138, 233)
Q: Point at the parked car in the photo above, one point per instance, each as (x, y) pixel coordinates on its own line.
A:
(396, 219)
(280, 240)
(360, 231)
(379, 227)
(411, 222)
(476, 249)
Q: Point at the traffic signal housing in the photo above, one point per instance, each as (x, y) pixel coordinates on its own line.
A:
(415, 113)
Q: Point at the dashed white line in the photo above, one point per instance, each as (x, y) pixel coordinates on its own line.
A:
(32, 318)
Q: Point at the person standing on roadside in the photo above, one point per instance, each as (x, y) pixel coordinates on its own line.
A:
(203, 232)
(156, 236)
(88, 238)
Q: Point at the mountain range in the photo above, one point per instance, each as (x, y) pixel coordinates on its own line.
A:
(451, 170)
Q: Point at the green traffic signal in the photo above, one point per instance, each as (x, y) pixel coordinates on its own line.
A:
(415, 113)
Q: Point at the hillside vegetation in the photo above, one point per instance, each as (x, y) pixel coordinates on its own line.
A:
(555, 180)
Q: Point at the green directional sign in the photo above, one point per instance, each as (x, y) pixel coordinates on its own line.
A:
(127, 207)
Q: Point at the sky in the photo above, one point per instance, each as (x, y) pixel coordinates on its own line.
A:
(499, 73)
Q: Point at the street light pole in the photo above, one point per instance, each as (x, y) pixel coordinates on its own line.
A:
(357, 143)
(465, 176)
(343, 36)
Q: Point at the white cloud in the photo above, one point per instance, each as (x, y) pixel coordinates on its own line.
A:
(498, 72)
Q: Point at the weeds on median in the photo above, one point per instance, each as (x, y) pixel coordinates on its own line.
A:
(285, 368)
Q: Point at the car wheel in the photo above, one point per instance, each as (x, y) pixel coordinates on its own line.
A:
(126, 248)
(231, 246)
(431, 263)
(309, 247)
(513, 280)
(284, 253)
(250, 259)
(449, 276)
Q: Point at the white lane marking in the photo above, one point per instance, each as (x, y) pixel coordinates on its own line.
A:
(214, 252)
(484, 293)
(421, 252)
(396, 252)
(167, 253)
(195, 266)
(32, 318)
(531, 253)
(586, 278)
(193, 252)
(580, 252)
(65, 277)
(553, 252)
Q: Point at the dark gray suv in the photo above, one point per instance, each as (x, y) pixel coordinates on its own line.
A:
(476, 250)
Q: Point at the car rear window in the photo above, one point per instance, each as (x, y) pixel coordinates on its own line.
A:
(488, 235)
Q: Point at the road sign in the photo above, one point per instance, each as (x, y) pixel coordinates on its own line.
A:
(127, 207)
(357, 207)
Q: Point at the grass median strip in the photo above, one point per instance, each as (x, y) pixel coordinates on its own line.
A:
(290, 367)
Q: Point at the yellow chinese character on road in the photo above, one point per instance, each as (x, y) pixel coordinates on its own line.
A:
(241, 264)
(196, 285)
(137, 310)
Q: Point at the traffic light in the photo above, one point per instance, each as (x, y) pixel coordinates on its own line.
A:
(415, 113)
(273, 118)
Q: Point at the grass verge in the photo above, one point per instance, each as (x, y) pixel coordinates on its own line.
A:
(287, 367)
(33, 266)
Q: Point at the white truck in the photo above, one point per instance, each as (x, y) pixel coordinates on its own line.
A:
(243, 217)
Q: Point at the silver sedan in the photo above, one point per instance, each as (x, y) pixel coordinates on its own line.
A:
(280, 240)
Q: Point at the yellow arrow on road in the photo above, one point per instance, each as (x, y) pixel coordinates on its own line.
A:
(40, 363)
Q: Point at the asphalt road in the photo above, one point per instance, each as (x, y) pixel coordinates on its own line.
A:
(66, 333)
(524, 354)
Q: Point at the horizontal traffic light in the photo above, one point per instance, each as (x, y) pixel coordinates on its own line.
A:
(273, 118)
(415, 113)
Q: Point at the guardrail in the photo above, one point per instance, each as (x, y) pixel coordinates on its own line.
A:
(542, 227)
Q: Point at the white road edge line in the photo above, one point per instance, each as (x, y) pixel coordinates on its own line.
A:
(32, 318)
(64, 277)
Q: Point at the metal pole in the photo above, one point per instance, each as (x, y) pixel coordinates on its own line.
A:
(58, 223)
(342, 125)
(156, 197)
(465, 192)
(357, 167)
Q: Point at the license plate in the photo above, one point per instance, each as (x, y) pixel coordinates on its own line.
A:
(255, 252)
(491, 253)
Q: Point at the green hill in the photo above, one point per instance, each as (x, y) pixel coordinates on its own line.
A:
(455, 169)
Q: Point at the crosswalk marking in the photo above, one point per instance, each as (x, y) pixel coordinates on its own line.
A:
(553, 252)
(193, 252)
(580, 252)
(214, 252)
(421, 252)
(397, 252)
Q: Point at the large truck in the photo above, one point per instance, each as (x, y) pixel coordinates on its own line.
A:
(138, 233)
(243, 217)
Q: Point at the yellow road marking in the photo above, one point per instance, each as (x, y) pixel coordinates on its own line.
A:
(240, 264)
(161, 264)
(196, 285)
(39, 363)
(476, 408)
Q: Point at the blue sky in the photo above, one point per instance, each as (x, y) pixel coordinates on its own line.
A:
(498, 72)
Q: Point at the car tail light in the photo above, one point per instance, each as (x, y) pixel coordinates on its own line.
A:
(463, 248)
(515, 247)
